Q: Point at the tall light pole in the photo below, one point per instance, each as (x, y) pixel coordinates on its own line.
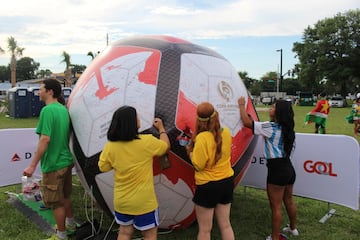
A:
(281, 76)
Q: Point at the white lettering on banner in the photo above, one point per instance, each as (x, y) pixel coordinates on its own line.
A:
(17, 149)
(326, 165)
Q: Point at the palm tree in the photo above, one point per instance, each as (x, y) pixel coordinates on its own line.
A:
(92, 55)
(15, 52)
(66, 60)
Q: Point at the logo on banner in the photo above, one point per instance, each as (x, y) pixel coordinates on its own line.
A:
(15, 158)
(321, 168)
(226, 91)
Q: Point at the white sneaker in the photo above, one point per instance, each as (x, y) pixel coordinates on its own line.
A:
(293, 232)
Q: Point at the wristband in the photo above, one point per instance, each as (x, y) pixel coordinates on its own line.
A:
(161, 132)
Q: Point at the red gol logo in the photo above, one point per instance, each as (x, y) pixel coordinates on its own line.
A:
(321, 168)
(15, 158)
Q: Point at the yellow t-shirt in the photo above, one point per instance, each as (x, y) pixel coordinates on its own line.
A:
(132, 161)
(203, 158)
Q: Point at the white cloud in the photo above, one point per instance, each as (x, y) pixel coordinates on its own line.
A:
(78, 26)
(170, 11)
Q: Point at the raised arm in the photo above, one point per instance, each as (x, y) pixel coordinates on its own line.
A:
(245, 118)
(158, 124)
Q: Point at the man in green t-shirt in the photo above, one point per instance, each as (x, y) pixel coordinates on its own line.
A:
(56, 160)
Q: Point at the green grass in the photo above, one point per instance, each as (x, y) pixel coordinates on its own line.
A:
(250, 213)
(335, 123)
(8, 122)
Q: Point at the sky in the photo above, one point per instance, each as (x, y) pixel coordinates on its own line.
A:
(247, 33)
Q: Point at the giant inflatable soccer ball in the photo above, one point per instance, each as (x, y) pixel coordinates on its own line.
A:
(166, 77)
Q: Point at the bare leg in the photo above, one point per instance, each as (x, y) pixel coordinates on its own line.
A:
(222, 213)
(275, 194)
(205, 220)
(150, 234)
(290, 206)
(59, 215)
(68, 208)
(356, 127)
(67, 189)
(125, 232)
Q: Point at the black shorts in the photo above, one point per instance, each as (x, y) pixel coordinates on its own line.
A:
(212, 193)
(280, 172)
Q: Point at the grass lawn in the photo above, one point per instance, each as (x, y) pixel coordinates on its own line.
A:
(335, 123)
(250, 214)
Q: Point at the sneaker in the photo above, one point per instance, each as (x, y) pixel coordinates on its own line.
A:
(281, 237)
(55, 237)
(293, 232)
(71, 229)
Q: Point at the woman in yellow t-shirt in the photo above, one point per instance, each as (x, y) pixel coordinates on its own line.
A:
(210, 155)
(130, 155)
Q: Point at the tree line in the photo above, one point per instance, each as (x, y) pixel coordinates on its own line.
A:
(329, 60)
(26, 68)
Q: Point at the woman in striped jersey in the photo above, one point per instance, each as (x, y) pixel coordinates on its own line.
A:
(279, 137)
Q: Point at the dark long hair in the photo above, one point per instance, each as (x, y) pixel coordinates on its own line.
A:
(123, 125)
(285, 117)
(54, 85)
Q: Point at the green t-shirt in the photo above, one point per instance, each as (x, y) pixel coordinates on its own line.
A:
(54, 122)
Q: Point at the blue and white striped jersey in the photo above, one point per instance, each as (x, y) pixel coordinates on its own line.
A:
(274, 143)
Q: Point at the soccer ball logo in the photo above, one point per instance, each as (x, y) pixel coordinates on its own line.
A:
(165, 77)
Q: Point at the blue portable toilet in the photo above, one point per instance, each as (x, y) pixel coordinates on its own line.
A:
(35, 104)
(66, 91)
(19, 102)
